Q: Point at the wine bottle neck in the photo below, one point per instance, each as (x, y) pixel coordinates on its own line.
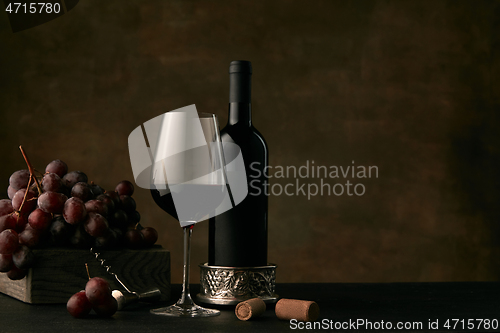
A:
(240, 113)
(240, 93)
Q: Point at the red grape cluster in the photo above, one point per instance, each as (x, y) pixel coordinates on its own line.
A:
(63, 209)
(97, 295)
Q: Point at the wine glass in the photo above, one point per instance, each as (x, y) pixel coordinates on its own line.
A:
(187, 179)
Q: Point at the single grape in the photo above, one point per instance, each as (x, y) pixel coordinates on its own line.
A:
(120, 219)
(7, 222)
(6, 263)
(108, 201)
(70, 179)
(97, 206)
(97, 290)
(134, 217)
(30, 237)
(96, 189)
(38, 219)
(52, 182)
(107, 307)
(125, 188)
(119, 236)
(127, 203)
(133, 239)
(9, 241)
(96, 225)
(29, 204)
(58, 167)
(60, 231)
(74, 211)
(19, 179)
(23, 258)
(5, 207)
(150, 236)
(78, 305)
(52, 202)
(16, 273)
(115, 197)
(82, 191)
(107, 241)
(11, 192)
(80, 238)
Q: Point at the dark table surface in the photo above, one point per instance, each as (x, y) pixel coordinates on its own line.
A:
(340, 304)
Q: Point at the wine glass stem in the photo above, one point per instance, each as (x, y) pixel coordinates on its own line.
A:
(185, 296)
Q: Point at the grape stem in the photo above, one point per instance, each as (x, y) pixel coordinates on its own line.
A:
(25, 194)
(32, 172)
(87, 267)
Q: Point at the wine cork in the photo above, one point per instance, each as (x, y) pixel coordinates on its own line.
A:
(250, 308)
(287, 309)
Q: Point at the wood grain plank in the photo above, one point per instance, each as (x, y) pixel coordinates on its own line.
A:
(59, 273)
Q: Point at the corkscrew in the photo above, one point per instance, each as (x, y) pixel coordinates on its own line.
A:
(128, 297)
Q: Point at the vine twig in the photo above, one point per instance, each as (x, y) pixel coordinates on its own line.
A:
(32, 171)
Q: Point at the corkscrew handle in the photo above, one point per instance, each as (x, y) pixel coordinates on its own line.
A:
(124, 298)
(152, 295)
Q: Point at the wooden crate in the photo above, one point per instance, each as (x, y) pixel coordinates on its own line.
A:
(59, 273)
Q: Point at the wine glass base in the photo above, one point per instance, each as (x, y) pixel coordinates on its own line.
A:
(185, 311)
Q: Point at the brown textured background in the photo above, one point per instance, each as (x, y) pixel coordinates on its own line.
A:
(411, 87)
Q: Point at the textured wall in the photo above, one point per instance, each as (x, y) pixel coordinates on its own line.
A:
(411, 87)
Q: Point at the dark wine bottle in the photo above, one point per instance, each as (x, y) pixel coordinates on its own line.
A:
(238, 237)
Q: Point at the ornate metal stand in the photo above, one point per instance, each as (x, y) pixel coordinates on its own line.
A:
(231, 285)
